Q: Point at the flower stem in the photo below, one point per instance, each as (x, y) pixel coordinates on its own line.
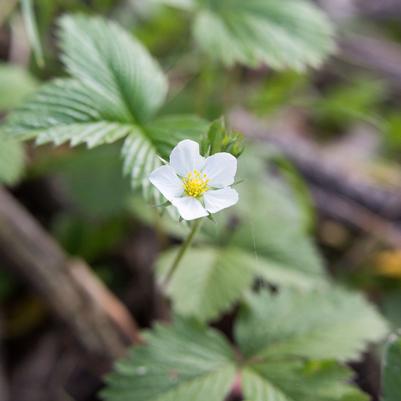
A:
(185, 245)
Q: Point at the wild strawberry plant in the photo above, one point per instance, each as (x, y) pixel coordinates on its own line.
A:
(290, 344)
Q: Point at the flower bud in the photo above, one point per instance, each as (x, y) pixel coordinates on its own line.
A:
(219, 138)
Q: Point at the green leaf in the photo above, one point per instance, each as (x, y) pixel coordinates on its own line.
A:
(298, 381)
(140, 159)
(333, 324)
(11, 161)
(68, 106)
(283, 273)
(273, 230)
(15, 84)
(208, 280)
(392, 371)
(184, 361)
(114, 65)
(293, 34)
(283, 253)
(190, 361)
(167, 131)
(32, 30)
(116, 90)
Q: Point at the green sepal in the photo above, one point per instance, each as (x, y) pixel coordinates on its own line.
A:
(211, 218)
(164, 204)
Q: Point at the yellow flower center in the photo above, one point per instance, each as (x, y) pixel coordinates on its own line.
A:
(195, 184)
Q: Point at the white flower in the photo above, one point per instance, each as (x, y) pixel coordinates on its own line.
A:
(195, 185)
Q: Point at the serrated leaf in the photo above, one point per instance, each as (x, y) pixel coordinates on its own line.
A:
(184, 361)
(283, 272)
(293, 34)
(190, 361)
(117, 88)
(140, 159)
(207, 282)
(298, 381)
(11, 161)
(114, 65)
(281, 255)
(62, 103)
(333, 324)
(392, 371)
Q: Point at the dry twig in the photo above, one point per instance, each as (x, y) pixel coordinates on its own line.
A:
(98, 319)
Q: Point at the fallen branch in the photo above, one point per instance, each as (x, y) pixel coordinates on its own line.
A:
(371, 208)
(96, 317)
(350, 213)
(378, 55)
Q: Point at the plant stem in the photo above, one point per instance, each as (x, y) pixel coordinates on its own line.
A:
(185, 245)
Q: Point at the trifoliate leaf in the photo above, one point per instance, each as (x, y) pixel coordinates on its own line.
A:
(332, 324)
(11, 161)
(188, 361)
(298, 381)
(392, 371)
(184, 361)
(116, 90)
(293, 34)
(208, 280)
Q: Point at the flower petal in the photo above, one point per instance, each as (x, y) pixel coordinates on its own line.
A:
(189, 208)
(185, 157)
(220, 199)
(220, 169)
(166, 181)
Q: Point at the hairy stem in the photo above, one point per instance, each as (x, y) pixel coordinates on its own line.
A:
(185, 245)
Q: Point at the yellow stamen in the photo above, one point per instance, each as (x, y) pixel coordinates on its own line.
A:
(195, 184)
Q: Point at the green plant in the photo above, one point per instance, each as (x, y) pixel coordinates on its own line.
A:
(291, 343)
(285, 349)
(114, 92)
(292, 34)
